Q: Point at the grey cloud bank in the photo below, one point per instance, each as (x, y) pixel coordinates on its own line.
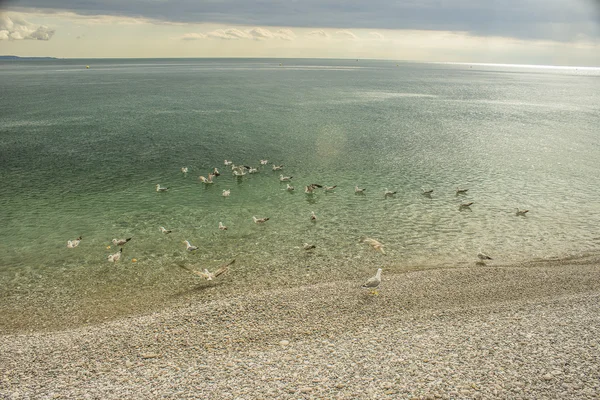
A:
(562, 20)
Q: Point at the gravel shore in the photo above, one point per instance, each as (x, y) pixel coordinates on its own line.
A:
(517, 332)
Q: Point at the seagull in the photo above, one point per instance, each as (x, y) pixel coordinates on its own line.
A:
(165, 231)
(222, 227)
(277, 167)
(216, 172)
(285, 178)
(239, 172)
(115, 257)
(161, 188)
(189, 247)
(184, 170)
(307, 246)
(226, 193)
(206, 274)
(466, 205)
(522, 212)
(313, 217)
(427, 192)
(252, 170)
(71, 244)
(264, 162)
(483, 256)
(373, 282)
(461, 191)
(120, 242)
(358, 190)
(375, 244)
(329, 188)
(288, 187)
(387, 193)
(228, 162)
(203, 179)
(260, 220)
(310, 188)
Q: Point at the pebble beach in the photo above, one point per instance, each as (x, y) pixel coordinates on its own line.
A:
(521, 331)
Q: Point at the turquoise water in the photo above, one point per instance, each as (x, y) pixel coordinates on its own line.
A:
(81, 151)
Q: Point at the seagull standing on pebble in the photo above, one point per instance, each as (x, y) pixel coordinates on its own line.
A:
(115, 257)
(373, 282)
(71, 244)
(189, 247)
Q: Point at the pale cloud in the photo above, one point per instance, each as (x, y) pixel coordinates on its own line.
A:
(346, 34)
(318, 33)
(193, 36)
(260, 33)
(285, 34)
(17, 28)
(377, 35)
(228, 34)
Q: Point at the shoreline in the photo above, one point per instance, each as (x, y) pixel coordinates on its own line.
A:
(517, 331)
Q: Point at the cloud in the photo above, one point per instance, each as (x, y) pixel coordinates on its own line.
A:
(377, 35)
(346, 34)
(16, 28)
(285, 34)
(228, 34)
(192, 36)
(260, 33)
(318, 33)
(257, 33)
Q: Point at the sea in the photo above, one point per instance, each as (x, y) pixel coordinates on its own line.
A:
(83, 144)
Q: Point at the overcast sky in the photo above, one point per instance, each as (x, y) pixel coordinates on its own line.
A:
(563, 32)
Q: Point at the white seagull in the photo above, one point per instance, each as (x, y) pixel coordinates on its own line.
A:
(264, 162)
(184, 170)
(373, 282)
(164, 230)
(387, 192)
(307, 246)
(226, 193)
(522, 212)
(115, 257)
(358, 190)
(427, 192)
(161, 188)
(466, 205)
(483, 256)
(189, 247)
(222, 227)
(260, 220)
(461, 191)
(206, 274)
(120, 242)
(285, 178)
(288, 187)
(71, 244)
(239, 172)
(313, 217)
(375, 244)
(277, 167)
(329, 188)
(228, 162)
(252, 170)
(206, 180)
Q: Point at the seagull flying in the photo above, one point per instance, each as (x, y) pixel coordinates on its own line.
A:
(165, 231)
(189, 247)
(161, 188)
(71, 244)
(260, 220)
(120, 242)
(115, 257)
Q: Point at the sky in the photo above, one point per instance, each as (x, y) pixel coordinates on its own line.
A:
(543, 32)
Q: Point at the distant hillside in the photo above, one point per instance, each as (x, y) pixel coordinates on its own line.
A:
(3, 58)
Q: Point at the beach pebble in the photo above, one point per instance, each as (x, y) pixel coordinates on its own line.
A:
(284, 342)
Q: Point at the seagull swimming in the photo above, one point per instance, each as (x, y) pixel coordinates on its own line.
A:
(206, 274)
(165, 231)
(208, 180)
(184, 170)
(222, 227)
(260, 220)
(252, 170)
(358, 190)
(387, 192)
(307, 246)
(216, 172)
(226, 193)
(228, 162)
(466, 205)
(285, 178)
(115, 257)
(373, 282)
(120, 242)
(427, 192)
(288, 187)
(329, 188)
(310, 188)
(375, 244)
(461, 191)
(71, 244)
(522, 212)
(313, 217)
(277, 167)
(239, 172)
(264, 162)
(161, 188)
(189, 247)
(483, 256)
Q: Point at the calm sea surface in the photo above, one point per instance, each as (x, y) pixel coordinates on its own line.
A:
(81, 151)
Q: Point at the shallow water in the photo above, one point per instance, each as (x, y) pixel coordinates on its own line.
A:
(81, 151)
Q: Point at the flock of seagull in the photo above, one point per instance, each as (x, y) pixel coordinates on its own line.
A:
(242, 170)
